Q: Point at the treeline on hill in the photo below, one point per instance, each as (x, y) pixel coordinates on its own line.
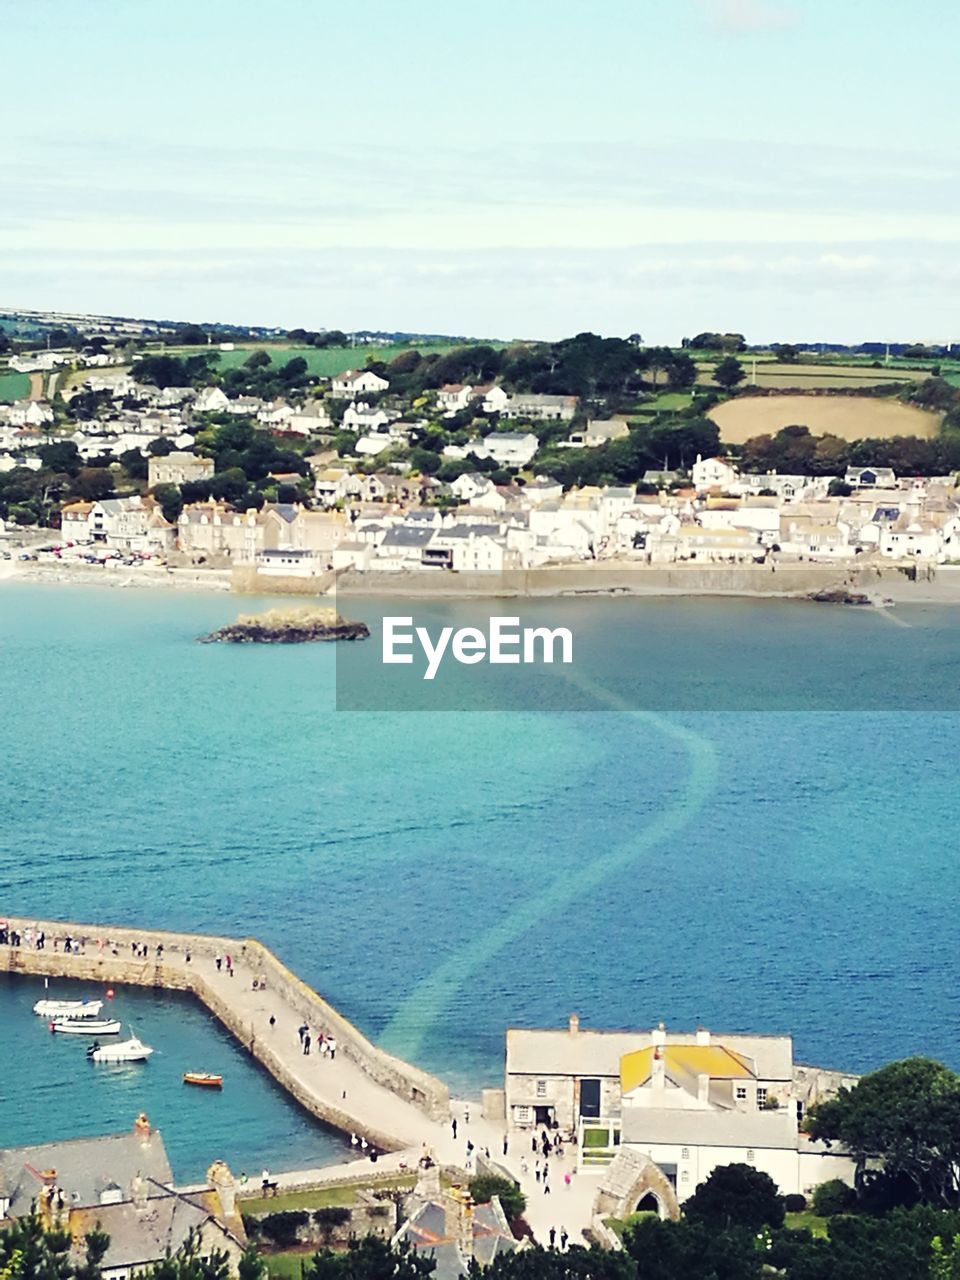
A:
(612, 369)
(793, 450)
(257, 376)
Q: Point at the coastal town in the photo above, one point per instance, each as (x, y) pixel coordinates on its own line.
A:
(390, 469)
(588, 1126)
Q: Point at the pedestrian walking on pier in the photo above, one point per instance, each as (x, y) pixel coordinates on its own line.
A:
(302, 1031)
(453, 1126)
(306, 1044)
(566, 1180)
(218, 961)
(546, 1185)
(229, 964)
(553, 1236)
(536, 1171)
(533, 1144)
(563, 1237)
(273, 1022)
(505, 1144)
(332, 1047)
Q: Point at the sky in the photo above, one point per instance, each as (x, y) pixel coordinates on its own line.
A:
(510, 168)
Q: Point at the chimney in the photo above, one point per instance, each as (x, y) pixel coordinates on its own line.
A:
(658, 1036)
(138, 1191)
(222, 1181)
(658, 1069)
(703, 1036)
(703, 1088)
(574, 1024)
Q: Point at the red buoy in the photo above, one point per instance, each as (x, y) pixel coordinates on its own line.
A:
(109, 993)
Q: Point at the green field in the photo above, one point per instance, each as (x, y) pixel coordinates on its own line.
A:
(14, 386)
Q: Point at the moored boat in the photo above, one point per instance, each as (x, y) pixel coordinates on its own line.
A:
(71, 1009)
(205, 1079)
(132, 1050)
(86, 1026)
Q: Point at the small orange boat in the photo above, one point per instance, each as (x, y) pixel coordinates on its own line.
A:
(203, 1078)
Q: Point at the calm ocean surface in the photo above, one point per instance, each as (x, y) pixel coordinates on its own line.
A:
(705, 849)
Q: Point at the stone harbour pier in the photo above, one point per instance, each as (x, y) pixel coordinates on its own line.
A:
(392, 1104)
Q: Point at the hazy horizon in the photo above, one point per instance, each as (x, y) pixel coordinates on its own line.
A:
(778, 169)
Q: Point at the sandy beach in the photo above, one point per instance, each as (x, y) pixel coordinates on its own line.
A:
(885, 583)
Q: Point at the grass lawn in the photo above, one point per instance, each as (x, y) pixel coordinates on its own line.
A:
(14, 386)
(319, 1197)
(808, 1219)
(288, 1264)
(672, 400)
(596, 1137)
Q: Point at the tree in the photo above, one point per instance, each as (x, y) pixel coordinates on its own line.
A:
(171, 501)
(257, 360)
(63, 456)
(134, 464)
(94, 483)
(512, 1200)
(736, 1195)
(691, 1251)
(728, 372)
(190, 335)
(97, 1243)
(785, 352)
(369, 1259)
(908, 1114)
(251, 1266)
(833, 1197)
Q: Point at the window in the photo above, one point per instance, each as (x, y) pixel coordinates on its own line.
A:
(523, 1115)
(541, 1088)
(684, 1153)
(750, 1157)
(740, 1093)
(761, 1095)
(685, 1176)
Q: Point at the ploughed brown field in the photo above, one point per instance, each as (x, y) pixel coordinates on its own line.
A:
(850, 417)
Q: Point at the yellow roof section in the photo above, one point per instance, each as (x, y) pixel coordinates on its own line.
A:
(711, 1060)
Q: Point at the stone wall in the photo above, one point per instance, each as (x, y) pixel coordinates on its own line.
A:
(113, 963)
(248, 580)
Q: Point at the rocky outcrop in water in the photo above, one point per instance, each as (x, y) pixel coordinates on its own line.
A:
(838, 595)
(288, 626)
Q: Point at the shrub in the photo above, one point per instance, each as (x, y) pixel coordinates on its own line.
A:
(512, 1199)
(833, 1197)
(281, 1228)
(794, 1203)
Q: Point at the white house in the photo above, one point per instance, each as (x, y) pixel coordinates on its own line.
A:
(355, 382)
(495, 399)
(597, 432)
(510, 448)
(360, 417)
(211, 400)
(467, 548)
(712, 473)
(471, 487)
(870, 477)
(542, 407)
(30, 413)
(454, 396)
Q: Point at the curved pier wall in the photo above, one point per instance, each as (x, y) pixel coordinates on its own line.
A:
(100, 964)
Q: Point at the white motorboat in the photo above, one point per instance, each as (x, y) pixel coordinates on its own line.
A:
(87, 1026)
(132, 1050)
(71, 1009)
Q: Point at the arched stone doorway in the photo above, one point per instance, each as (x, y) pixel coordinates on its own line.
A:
(632, 1182)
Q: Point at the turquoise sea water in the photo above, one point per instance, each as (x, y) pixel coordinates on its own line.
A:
(705, 848)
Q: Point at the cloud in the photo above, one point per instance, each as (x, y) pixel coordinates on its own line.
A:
(744, 17)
